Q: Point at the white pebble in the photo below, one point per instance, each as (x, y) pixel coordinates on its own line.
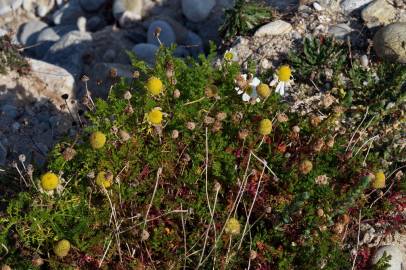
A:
(317, 6)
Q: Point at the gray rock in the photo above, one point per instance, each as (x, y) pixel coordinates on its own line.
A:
(109, 55)
(274, 28)
(56, 78)
(68, 13)
(378, 12)
(95, 23)
(3, 155)
(395, 260)
(126, 11)
(194, 43)
(27, 5)
(68, 51)
(92, 5)
(10, 111)
(146, 52)
(389, 42)
(340, 30)
(2, 32)
(181, 52)
(28, 33)
(349, 6)
(167, 36)
(284, 5)
(7, 6)
(41, 10)
(48, 36)
(197, 10)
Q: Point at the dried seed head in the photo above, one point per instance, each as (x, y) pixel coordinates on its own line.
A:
(253, 255)
(157, 31)
(37, 261)
(318, 145)
(169, 69)
(144, 235)
(315, 120)
(282, 117)
(221, 116)
(69, 153)
(127, 95)
(237, 117)
(320, 212)
(175, 134)
(190, 125)
(296, 129)
(243, 134)
(208, 120)
(91, 175)
(136, 74)
(217, 186)
(306, 166)
(113, 73)
(211, 91)
(217, 126)
(124, 135)
(327, 100)
(129, 109)
(21, 158)
(330, 142)
(338, 228)
(176, 93)
(84, 78)
(345, 219)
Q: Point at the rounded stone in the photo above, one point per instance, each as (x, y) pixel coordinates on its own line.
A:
(389, 42)
(7, 6)
(274, 28)
(396, 257)
(197, 10)
(145, 52)
(91, 5)
(166, 35)
(28, 32)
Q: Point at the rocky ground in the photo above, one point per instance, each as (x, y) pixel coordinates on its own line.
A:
(68, 39)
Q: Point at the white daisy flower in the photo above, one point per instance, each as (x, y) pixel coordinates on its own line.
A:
(248, 88)
(231, 56)
(282, 79)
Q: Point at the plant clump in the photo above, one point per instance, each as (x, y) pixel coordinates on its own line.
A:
(62, 248)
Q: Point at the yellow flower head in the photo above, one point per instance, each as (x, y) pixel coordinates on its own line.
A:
(232, 226)
(265, 127)
(228, 56)
(49, 181)
(97, 140)
(263, 90)
(379, 181)
(284, 73)
(154, 86)
(61, 248)
(155, 116)
(104, 179)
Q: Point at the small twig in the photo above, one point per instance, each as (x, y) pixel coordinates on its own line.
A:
(358, 236)
(105, 253)
(184, 235)
(367, 141)
(355, 132)
(159, 172)
(194, 101)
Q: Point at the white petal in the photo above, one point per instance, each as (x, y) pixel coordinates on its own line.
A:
(240, 92)
(244, 76)
(282, 91)
(278, 88)
(246, 97)
(255, 82)
(258, 100)
(273, 82)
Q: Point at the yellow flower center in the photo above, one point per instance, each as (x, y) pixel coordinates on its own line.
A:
(97, 140)
(265, 127)
(155, 116)
(154, 86)
(233, 226)
(61, 249)
(104, 179)
(284, 73)
(228, 56)
(379, 181)
(263, 90)
(49, 181)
